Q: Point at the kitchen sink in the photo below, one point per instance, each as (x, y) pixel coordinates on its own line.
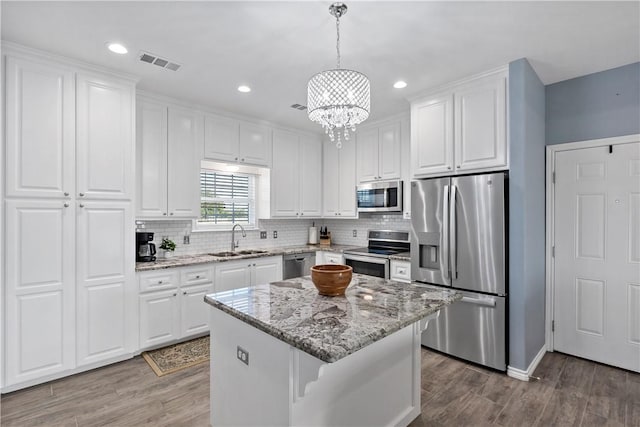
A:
(251, 252)
(225, 254)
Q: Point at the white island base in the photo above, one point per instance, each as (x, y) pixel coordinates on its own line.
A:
(378, 385)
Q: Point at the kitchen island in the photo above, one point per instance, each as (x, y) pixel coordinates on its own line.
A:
(283, 355)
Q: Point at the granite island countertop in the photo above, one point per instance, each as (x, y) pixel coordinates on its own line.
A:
(331, 328)
(185, 260)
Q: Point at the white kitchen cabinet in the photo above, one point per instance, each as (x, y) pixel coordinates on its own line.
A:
(378, 153)
(168, 146)
(462, 128)
(193, 310)
(247, 272)
(159, 318)
(105, 277)
(229, 140)
(339, 180)
(40, 129)
(296, 176)
(105, 133)
(400, 270)
(323, 257)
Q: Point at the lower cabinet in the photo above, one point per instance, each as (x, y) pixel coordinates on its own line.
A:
(172, 304)
(329, 258)
(247, 272)
(400, 271)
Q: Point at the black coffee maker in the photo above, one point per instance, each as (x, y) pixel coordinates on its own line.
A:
(145, 250)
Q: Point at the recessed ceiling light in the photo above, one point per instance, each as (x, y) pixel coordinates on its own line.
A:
(117, 48)
(244, 89)
(400, 84)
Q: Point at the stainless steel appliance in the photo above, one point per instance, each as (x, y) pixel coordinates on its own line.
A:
(297, 265)
(145, 250)
(384, 196)
(374, 259)
(458, 240)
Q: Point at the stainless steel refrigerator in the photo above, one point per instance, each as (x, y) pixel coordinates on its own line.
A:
(458, 240)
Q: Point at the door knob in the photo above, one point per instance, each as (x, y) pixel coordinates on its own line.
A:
(66, 205)
(81, 205)
(81, 194)
(66, 194)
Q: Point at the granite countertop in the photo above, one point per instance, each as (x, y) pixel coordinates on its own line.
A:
(403, 256)
(331, 328)
(184, 260)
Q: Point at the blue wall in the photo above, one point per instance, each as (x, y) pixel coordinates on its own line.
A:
(598, 105)
(526, 214)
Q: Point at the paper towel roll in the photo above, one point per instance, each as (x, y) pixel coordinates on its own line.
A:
(313, 235)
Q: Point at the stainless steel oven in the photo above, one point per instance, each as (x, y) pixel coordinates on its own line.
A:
(369, 265)
(374, 259)
(385, 196)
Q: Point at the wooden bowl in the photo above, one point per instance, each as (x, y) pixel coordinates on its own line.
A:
(331, 279)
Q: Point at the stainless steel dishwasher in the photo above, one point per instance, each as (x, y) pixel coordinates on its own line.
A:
(296, 265)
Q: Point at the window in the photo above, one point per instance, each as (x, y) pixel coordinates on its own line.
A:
(226, 198)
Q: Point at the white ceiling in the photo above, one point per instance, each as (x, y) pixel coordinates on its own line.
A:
(276, 46)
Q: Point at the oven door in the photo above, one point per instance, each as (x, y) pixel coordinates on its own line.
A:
(371, 266)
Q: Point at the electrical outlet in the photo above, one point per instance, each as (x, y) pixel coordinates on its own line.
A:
(243, 355)
(263, 234)
(275, 234)
(355, 233)
(186, 239)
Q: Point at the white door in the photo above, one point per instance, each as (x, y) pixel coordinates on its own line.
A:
(194, 312)
(255, 144)
(347, 179)
(330, 179)
(432, 136)
(184, 148)
(151, 159)
(221, 138)
(40, 129)
(105, 146)
(481, 125)
(266, 270)
(106, 294)
(40, 289)
(232, 275)
(367, 154)
(310, 177)
(389, 151)
(159, 318)
(597, 261)
(285, 181)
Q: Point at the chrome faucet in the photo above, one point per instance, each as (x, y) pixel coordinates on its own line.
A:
(235, 244)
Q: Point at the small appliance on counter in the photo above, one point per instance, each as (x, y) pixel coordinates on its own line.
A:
(145, 250)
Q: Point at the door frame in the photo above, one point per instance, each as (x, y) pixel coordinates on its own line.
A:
(552, 150)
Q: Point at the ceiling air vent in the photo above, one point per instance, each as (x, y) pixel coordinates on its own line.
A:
(299, 107)
(150, 58)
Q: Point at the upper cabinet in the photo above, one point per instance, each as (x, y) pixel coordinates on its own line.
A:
(296, 176)
(462, 128)
(169, 147)
(230, 140)
(339, 180)
(378, 152)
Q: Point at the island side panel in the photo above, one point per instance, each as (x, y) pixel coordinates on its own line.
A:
(256, 394)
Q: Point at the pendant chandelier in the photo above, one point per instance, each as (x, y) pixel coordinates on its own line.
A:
(338, 99)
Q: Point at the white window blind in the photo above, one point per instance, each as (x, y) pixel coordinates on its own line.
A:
(226, 198)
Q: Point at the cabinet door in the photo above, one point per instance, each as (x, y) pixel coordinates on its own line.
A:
(255, 144)
(432, 136)
(333, 258)
(151, 160)
(389, 150)
(400, 271)
(266, 270)
(106, 291)
(40, 129)
(367, 154)
(285, 182)
(330, 179)
(105, 146)
(480, 125)
(159, 317)
(347, 181)
(194, 312)
(232, 275)
(39, 290)
(221, 138)
(184, 146)
(310, 177)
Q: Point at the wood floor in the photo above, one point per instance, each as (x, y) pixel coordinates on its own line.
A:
(571, 391)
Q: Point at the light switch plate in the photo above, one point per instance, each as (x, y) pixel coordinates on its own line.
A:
(275, 234)
(355, 233)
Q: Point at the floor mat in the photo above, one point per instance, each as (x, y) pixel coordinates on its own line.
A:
(176, 357)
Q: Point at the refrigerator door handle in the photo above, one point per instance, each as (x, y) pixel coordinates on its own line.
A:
(444, 256)
(478, 301)
(453, 226)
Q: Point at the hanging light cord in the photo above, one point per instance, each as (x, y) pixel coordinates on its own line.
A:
(338, 39)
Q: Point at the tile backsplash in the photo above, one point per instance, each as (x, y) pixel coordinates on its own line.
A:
(291, 232)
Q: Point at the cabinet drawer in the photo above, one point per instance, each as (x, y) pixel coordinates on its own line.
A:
(333, 258)
(158, 280)
(401, 271)
(196, 275)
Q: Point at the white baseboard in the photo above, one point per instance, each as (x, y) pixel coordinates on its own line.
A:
(521, 375)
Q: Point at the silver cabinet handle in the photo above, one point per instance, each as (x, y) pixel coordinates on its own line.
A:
(81, 205)
(81, 194)
(478, 301)
(66, 194)
(66, 205)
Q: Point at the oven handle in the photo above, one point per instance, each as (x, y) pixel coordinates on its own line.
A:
(372, 260)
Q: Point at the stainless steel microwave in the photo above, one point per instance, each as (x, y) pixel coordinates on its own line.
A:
(383, 196)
